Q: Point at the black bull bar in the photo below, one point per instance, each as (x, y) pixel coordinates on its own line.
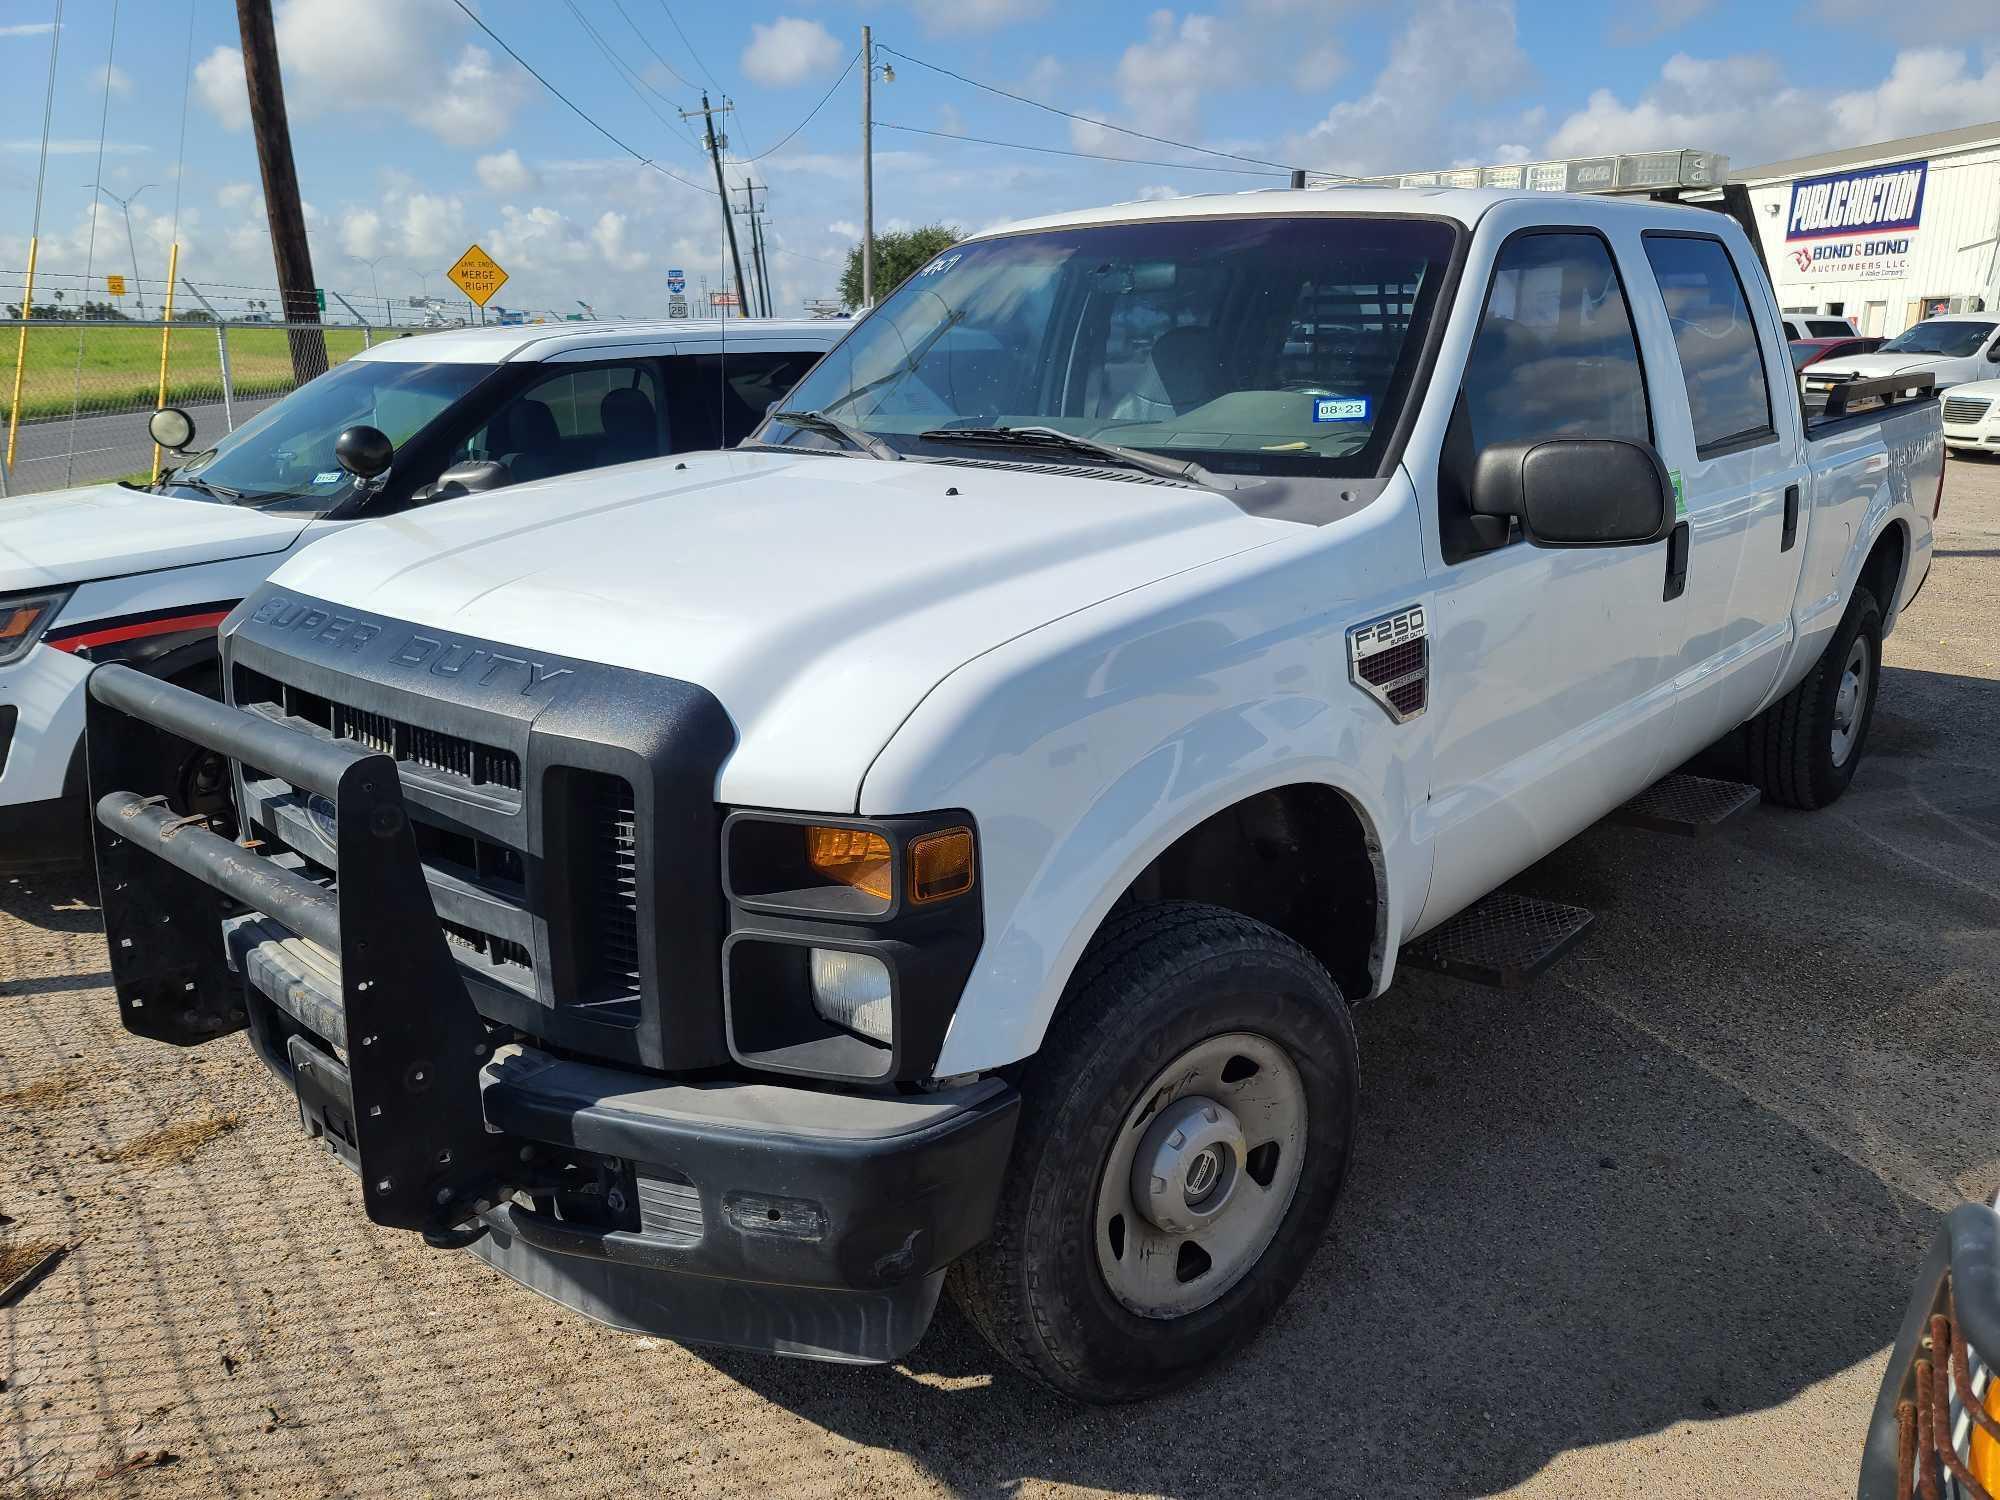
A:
(415, 1044)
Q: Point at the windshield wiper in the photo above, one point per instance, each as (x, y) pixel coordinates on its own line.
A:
(854, 437)
(220, 491)
(1055, 437)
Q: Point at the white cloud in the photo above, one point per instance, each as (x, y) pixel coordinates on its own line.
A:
(377, 58)
(844, 229)
(1043, 79)
(609, 235)
(433, 225)
(1648, 20)
(505, 172)
(974, 15)
(789, 51)
(1449, 52)
(77, 147)
(112, 77)
(1157, 192)
(1743, 106)
(218, 82)
(31, 28)
(1317, 68)
(361, 234)
(1163, 78)
(235, 194)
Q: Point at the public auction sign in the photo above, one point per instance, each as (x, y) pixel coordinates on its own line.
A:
(1853, 226)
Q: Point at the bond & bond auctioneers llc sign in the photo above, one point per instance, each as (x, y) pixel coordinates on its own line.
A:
(1853, 226)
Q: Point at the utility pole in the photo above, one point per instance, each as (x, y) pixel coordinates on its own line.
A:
(281, 187)
(715, 142)
(867, 167)
(750, 190)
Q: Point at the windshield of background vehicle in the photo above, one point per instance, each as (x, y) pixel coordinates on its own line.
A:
(282, 459)
(1955, 339)
(1253, 345)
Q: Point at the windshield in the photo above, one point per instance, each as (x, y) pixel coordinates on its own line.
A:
(1801, 353)
(1957, 338)
(1252, 346)
(282, 458)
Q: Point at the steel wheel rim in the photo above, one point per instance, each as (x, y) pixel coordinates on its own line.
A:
(1252, 1081)
(1850, 701)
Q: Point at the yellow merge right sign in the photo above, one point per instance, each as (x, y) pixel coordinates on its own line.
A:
(478, 275)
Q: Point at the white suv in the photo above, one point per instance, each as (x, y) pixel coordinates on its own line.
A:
(111, 572)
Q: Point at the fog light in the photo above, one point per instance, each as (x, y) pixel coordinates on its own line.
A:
(852, 991)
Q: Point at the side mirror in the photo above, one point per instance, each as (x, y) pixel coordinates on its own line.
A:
(1993, 354)
(364, 452)
(470, 478)
(171, 428)
(1577, 492)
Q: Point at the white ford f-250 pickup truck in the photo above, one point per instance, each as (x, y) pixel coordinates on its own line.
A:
(942, 837)
(113, 572)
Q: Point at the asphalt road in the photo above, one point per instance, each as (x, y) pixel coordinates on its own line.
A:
(104, 447)
(1645, 1228)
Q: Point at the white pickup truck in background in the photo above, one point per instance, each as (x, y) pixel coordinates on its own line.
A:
(944, 836)
(114, 572)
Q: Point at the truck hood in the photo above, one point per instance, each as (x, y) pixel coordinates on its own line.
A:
(818, 598)
(104, 530)
(1871, 366)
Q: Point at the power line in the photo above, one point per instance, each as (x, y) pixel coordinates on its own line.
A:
(746, 160)
(638, 85)
(643, 160)
(1160, 140)
(690, 46)
(671, 70)
(1130, 161)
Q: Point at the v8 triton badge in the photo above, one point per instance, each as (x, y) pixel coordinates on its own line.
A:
(320, 813)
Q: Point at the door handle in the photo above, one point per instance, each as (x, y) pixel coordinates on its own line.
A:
(1677, 562)
(1791, 518)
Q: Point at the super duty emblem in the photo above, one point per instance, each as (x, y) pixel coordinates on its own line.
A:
(1389, 659)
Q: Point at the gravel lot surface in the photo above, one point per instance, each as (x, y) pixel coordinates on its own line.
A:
(1646, 1228)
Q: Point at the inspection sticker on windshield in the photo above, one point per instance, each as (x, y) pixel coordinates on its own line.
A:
(327, 478)
(1340, 408)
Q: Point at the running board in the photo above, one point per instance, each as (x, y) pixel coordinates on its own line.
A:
(1691, 806)
(1504, 940)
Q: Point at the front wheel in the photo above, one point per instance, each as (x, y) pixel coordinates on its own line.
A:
(1184, 1133)
(1805, 747)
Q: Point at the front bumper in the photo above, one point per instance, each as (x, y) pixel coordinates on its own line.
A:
(1937, 1414)
(794, 1219)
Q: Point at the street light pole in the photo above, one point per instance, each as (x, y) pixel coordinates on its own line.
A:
(374, 281)
(125, 204)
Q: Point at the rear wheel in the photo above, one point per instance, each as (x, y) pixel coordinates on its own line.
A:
(1184, 1133)
(1805, 747)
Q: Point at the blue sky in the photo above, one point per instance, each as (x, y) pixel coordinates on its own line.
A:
(416, 135)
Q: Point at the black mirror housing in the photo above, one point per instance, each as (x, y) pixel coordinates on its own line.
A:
(471, 477)
(1577, 492)
(365, 452)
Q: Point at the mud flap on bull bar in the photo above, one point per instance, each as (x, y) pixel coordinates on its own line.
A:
(415, 1042)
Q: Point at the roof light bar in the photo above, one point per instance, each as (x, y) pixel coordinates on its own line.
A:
(1631, 172)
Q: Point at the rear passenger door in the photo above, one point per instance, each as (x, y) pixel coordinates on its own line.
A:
(1553, 667)
(1739, 456)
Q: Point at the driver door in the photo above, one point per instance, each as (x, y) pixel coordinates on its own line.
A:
(1553, 668)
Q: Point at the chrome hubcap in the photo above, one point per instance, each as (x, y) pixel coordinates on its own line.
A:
(1201, 1175)
(1850, 700)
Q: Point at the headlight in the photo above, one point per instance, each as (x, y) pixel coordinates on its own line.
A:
(23, 618)
(852, 991)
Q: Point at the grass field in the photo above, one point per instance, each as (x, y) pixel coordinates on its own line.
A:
(120, 369)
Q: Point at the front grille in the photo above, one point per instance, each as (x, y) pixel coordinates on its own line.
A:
(430, 750)
(1964, 410)
(610, 910)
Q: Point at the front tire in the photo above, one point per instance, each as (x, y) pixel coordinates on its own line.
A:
(1184, 1133)
(1805, 747)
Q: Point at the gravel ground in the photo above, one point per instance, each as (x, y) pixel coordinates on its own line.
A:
(1645, 1228)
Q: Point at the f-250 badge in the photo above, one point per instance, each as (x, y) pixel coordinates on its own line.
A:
(1389, 659)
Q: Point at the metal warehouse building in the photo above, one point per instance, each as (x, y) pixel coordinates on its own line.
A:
(1888, 234)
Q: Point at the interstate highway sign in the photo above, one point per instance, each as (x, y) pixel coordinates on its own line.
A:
(478, 275)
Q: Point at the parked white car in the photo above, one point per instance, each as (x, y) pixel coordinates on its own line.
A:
(1952, 349)
(946, 834)
(1972, 418)
(109, 572)
(1818, 326)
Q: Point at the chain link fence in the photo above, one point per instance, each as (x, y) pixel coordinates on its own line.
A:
(86, 363)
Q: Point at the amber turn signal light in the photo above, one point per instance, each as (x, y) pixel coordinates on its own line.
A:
(940, 865)
(850, 856)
